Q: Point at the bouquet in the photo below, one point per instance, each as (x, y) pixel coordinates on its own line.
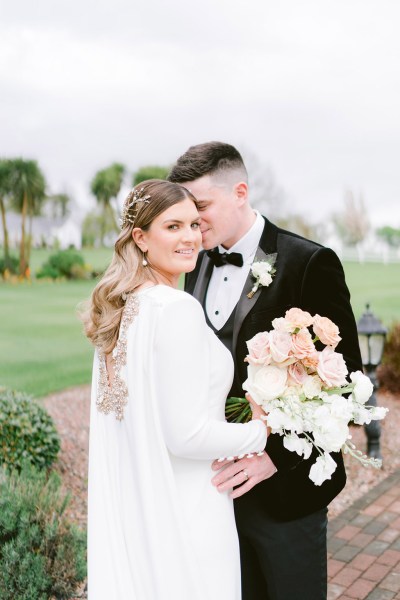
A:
(305, 392)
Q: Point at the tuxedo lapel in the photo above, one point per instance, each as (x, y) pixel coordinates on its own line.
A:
(267, 246)
(245, 304)
(203, 279)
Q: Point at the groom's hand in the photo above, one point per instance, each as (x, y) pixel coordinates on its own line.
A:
(246, 473)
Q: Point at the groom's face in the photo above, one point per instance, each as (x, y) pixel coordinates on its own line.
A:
(218, 206)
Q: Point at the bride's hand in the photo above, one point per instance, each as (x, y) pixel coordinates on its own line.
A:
(258, 412)
(256, 409)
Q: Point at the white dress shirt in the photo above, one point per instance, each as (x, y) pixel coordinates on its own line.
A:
(226, 283)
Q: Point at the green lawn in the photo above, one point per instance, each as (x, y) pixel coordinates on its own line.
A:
(377, 284)
(43, 349)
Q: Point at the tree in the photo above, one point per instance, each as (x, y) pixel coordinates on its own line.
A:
(150, 172)
(28, 187)
(352, 225)
(5, 189)
(390, 235)
(59, 205)
(106, 185)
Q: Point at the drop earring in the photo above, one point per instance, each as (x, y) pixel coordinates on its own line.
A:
(144, 261)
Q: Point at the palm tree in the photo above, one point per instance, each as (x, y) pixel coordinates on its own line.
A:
(5, 190)
(150, 172)
(28, 192)
(105, 186)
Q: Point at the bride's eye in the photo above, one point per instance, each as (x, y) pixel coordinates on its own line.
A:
(174, 226)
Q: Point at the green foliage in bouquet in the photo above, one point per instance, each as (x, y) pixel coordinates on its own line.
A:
(68, 264)
(42, 555)
(389, 370)
(237, 410)
(27, 432)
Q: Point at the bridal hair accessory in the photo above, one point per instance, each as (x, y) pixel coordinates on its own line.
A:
(263, 272)
(131, 206)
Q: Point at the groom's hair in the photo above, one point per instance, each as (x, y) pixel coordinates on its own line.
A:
(212, 158)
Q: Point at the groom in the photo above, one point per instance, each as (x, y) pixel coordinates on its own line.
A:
(281, 515)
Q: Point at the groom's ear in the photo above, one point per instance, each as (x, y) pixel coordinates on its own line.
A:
(241, 191)
(138, 236)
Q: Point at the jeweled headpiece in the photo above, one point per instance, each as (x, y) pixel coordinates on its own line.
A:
(131, 206)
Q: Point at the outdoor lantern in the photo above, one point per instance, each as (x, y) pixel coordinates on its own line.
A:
(371, 337)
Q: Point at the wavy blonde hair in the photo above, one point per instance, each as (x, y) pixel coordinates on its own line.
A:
(102, 315)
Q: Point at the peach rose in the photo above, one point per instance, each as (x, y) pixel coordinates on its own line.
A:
(302, 344)
(280, 344)
(297, 373)
(298, 318)
(259, 350)
(311, 361)
(331, 367)
(327, 331)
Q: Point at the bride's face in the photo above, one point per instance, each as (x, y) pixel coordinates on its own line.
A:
(173, 240)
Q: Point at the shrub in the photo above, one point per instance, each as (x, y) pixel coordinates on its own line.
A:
(62, 264)
(389, 370)
(11, 265)
(27, 432)
(42, 555)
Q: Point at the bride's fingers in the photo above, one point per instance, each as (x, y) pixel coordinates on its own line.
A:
(243, 489)
(238, 479)
(216, 465)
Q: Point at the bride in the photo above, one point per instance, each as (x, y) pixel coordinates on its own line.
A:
(157, 528)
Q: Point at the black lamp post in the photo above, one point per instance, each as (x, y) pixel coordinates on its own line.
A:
(371, 337)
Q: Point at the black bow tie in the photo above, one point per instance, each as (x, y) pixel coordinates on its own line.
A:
(218, 259)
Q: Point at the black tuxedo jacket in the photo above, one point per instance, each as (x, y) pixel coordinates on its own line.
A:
(310, 277)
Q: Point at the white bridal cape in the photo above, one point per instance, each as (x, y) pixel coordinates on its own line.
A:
(157, 528)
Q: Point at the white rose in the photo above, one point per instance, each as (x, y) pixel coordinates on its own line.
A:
(280, 324)
(312, 387)
(266, 279)
(265, 383)
(363, 386)
(322, 469)
(260, 268)
(294, 443)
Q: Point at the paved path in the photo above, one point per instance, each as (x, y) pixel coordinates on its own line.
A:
(364, 546)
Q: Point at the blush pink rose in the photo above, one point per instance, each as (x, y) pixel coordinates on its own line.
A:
(331, 367)
(311, 362)
(259, 350)
(298, 318)
(280, 344)
(302, 344)
(297, 373)
(327, 331)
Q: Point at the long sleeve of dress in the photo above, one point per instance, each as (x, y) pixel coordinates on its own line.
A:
(182, 362)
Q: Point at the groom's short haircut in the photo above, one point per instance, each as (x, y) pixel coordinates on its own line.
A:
(212, 158)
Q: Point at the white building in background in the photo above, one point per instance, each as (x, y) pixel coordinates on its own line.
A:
(46, 231)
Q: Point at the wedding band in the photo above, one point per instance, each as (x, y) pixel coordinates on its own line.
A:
(245, 474)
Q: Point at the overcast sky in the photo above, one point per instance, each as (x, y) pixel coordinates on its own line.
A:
(310, 87)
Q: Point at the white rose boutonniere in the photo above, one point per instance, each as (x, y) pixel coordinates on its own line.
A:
(263, 271)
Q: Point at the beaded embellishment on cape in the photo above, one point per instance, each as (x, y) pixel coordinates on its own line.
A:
(114, 397)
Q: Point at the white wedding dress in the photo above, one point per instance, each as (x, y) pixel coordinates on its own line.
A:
(157, 528)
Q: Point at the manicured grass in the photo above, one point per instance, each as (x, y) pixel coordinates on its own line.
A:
(377, 284)
(42, 346)
(43, 349)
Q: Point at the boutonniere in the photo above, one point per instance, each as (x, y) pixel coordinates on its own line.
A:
(263, 272)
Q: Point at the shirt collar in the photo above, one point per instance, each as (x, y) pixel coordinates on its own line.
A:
(248, 244)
